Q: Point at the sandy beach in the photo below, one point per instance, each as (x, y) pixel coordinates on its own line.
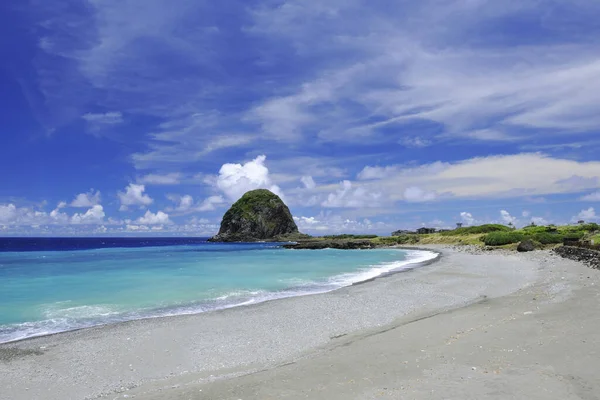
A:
(469, 326)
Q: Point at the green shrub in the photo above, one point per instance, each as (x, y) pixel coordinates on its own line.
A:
(534, 230)
(469, 230)
(548, 238)
(402, 239)
(592, 227)
(502, 238)
(573, 235)
(347, 236)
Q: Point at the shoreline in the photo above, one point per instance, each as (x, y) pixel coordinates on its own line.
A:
(401, 269)
(212, 350)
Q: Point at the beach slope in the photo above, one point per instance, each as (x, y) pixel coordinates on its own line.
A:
(468, 326)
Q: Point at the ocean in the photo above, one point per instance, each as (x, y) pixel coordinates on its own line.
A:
(50, 285)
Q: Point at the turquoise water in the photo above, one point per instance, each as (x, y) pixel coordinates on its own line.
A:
(45, 292)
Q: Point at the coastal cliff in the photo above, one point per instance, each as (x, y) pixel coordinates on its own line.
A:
(257, 215)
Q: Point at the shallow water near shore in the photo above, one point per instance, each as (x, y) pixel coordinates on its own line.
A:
(46, 292)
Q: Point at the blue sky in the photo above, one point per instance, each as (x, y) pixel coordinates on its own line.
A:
(135, 117)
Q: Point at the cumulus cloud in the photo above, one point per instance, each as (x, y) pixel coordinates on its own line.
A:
(184, 203)
(467, 218)
(149, 218)
(586, 215)
(157, 179)
(8, 213)
(85, 200)
(539, 220)
(11, 215)
(94, 215)
(134, 196)
(210, 203)
(348, 196)
(327, 223)
(187, 205)
(507, 218)
(236, 179)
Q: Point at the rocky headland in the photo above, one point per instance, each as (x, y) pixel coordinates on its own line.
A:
(259, 215)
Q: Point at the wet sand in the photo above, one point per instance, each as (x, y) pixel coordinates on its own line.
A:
(468, 326)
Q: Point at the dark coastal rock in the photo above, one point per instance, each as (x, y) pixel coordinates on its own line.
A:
(589, 257)
(526, 245)
(258, 215)
(331, 244)
(402, 232)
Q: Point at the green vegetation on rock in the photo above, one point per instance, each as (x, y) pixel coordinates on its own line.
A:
(393, 240)
(469, 230)
(347, 236)
(257, 215)
(502, 238)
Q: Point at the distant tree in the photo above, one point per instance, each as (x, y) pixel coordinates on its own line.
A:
(581, 222)
(459, 224)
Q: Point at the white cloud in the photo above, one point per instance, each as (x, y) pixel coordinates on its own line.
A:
(8, 213)
(11, 215)
(348, 197)
(526, 213)
(94, 215)
(150, 218)
(414, 142)
(134, 196)
(236, 179)
(591, 197)
(210, 203)
(173, 178)
(326, 223)
(485, 177)
(507, 218)
(467, 218)
(539, 221)
(308, 182)
(586, 215)
(415, 194)
(85, 200)
(184, 203)
(404, 72)
(108, 118)
(369, 172)
(136, 228)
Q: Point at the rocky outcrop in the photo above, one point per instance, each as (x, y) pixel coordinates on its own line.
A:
(587, 256)
(526, 245)
(331, 244)
(258, 215)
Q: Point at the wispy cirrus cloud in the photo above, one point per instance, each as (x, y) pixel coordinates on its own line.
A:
(108, 118)
(323, 70)
(490, 91)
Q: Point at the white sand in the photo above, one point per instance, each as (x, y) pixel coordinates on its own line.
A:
(521, 326)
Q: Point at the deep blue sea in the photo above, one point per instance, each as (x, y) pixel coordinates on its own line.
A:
(50, 285)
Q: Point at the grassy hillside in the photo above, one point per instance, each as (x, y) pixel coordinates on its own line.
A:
(491, 235)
